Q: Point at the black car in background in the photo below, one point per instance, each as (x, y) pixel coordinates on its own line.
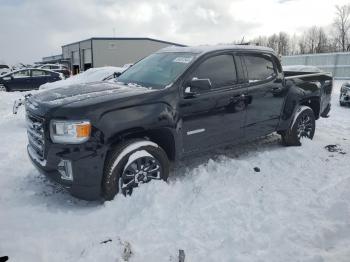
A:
(344, 98)
(57, 68)
(27, 79)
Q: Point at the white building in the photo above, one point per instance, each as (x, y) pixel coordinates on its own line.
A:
(110, 51)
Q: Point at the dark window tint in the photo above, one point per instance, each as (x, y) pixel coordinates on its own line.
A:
(259, 68)
(3, 66)
(220, 70)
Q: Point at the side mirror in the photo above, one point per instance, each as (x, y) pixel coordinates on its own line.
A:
(197, 86)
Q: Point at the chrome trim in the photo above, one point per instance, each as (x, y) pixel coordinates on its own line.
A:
(192, 132)
(35, 133)
(33, 142)
(35, 157)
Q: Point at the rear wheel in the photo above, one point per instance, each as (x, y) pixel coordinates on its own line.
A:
(131, 164)
(342, 104)
(303, 126)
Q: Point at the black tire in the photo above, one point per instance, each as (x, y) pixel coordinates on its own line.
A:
(116, 171)
(3, 88)
(303, 126)
(342, 104)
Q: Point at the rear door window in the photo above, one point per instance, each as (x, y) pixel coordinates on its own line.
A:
(259, 68)
(21, 74)
(220, 70)
(40, 73)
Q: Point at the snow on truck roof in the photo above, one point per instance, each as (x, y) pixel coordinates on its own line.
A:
(211, 48)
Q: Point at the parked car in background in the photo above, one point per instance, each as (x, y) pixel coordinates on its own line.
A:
(108, 73)
(19, 66)
(89, 76)
(344, 98)
(57, 68)
(27, 79)
(4, 69)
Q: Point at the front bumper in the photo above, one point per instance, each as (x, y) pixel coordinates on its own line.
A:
(87, 169)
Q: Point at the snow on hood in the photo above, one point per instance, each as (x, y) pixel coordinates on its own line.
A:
(79, 92)
(89, 76)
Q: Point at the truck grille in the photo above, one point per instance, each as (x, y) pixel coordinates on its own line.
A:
(36, 135)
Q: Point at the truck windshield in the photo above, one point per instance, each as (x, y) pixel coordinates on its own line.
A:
(157, 70)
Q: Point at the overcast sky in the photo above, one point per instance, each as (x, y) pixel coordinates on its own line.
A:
(32, 29)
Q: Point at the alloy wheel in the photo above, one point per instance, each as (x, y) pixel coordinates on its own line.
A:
(141, 170)
(305, 127)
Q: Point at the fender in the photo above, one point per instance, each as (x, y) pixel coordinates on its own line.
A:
(156, 121)
(300, 93)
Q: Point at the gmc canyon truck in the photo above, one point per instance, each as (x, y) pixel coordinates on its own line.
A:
(104, 138)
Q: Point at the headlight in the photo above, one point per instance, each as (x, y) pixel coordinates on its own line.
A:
(70, 132)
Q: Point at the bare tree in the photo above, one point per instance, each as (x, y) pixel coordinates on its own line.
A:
(272, 42)
(342, 26)
(294, 45)
(322, 41)
(260, 41)
(283, 43)
(302, 45)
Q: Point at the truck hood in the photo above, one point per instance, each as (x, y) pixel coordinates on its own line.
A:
(57, 97)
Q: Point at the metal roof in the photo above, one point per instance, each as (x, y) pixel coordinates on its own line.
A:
(125, 38)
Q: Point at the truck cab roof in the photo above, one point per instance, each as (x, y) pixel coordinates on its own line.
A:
(203, 49)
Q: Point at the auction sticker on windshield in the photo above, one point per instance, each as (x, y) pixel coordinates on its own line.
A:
(182, 59)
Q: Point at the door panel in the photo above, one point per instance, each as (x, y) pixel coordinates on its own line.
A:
(212, 119)
(266, 96)
(216, 116)
(39, 77)
(20, 81)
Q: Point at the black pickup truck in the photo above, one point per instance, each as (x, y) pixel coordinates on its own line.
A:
(103, 138)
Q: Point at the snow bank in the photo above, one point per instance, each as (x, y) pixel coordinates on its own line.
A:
(90, 75)
(215, 207)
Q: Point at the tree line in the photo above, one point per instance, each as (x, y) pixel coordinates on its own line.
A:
(335, 38)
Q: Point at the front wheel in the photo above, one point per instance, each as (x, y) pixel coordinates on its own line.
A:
(303, 126)
(132, 163)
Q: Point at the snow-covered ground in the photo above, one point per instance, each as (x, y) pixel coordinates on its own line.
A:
(215, 208)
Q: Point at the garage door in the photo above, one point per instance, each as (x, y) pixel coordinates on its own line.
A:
(75, 56)
(87, 56)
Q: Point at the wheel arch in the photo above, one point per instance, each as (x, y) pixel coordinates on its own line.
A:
(314, 103)
(163, 137)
